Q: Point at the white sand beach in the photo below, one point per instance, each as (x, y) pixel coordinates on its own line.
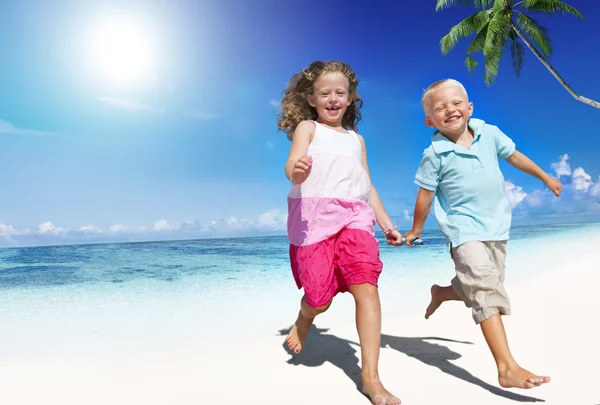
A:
(164, 350)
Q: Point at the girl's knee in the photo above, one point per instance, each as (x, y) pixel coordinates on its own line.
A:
(309, 311)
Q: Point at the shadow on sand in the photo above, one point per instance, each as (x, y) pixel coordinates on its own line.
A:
(322, 347)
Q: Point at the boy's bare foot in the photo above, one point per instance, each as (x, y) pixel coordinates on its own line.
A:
(436, 301)
(378, 394)
(518, 377)
(298, 333)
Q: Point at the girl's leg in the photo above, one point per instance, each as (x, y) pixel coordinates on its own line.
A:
(306, 316)
(368, 324)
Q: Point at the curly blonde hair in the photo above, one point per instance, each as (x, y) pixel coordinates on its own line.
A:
(295, 107)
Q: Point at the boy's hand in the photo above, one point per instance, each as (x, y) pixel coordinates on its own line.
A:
(394, 238)
(554, 185)
(301, 169)
(409, 237)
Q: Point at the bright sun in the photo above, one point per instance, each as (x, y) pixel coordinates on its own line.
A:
(121, 50)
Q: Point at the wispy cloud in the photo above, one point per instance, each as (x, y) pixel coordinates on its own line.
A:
(275, 103)
(515, 194)
(131, 105)
(268, 223)
(10, 129)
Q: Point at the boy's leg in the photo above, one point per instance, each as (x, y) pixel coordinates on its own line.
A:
(480, 270)
(510, 374)
(368, 324)
(440, 295)
(306, 317)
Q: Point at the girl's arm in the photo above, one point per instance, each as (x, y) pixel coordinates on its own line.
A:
(523, 163)
(393, 236)
(297, 166)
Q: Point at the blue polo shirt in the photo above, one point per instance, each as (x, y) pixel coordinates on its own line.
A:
(470, 195)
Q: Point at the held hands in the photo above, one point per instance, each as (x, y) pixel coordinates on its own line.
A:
(409, 237)
(301, 170)
(554, 185)
(394, 238)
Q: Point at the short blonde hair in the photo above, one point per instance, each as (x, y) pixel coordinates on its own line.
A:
(440, 83)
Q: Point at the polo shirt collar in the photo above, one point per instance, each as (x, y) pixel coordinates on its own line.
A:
(441, 144)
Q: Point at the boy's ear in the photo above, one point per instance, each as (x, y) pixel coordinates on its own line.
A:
(470, 109)
(429, 122)
(311, 100)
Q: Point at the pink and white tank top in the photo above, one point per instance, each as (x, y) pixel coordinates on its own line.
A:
(335, 195)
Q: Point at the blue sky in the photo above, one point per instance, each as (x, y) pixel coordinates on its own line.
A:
(152, 120)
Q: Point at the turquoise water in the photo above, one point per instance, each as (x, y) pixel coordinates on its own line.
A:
(214, 264)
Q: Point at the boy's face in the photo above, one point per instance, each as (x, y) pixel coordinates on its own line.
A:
(330, 97)
(448, 109)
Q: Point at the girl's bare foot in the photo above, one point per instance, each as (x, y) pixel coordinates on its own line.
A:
(378, 394)
(298, 333)
(517, 377)
(436, 300)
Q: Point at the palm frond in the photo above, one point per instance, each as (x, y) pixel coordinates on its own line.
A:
(517, 51)
(537, 33)
(470, 63)
(479, 41)
(497, 34)
(491, 68)
(443, 4)
(550, 7)
(466, 27)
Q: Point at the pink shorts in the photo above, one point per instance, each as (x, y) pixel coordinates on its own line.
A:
(327, 268)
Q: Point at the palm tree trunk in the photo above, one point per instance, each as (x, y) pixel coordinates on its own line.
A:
(551, 69)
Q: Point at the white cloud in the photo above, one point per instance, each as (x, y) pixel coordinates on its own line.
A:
(515, 194)
(163, 226)
(407, 216)
(49, 228)
(6, 230)
(562, 167)
(273, 220)
(8, 128)
(125, 104)
(89, 229)
(120, 228)
(581, 180)
(536, 198)
(595, 189)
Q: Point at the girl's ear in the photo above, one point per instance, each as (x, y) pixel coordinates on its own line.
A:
(350, 99)
(311, 100)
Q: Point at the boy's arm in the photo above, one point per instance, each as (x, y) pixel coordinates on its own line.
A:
(393, 236)
(523, 163)
(422, 207)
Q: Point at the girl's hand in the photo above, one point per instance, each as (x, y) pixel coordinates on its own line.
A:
(394, 238)
(554, 185)
(301, 169)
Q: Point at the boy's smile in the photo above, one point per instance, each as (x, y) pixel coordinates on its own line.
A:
(448, 109)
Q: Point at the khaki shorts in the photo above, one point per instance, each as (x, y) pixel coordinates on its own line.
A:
(479, 280)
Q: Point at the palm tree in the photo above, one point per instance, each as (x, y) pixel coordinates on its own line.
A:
(501, 21)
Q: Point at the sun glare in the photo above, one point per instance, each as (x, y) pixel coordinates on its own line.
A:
(121, 50)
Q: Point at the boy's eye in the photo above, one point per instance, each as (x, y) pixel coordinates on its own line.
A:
(457, 102)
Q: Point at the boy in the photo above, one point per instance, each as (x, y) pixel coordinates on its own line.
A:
(461, 170)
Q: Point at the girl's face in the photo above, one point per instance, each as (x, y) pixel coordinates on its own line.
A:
(330, 98)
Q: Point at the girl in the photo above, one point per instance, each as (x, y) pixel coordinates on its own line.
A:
(332, 209)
